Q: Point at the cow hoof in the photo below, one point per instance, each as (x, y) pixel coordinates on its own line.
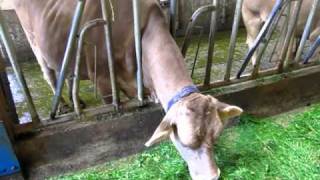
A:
(64, 109)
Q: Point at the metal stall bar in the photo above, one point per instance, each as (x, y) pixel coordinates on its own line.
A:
(283, 31)
(311, 51)
(275, 10)
(108, 36)
(67, 56)
(137, 39)
(213, 29)
(265, 42)
(75, 88)
(233, 39)
(8, 44)
(197, 51)
(291, 28)
(307, 30)
(192, 22)
(173, 15)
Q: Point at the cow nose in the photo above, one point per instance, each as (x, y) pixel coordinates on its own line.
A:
(216, 177)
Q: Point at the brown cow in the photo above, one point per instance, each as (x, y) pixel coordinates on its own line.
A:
(193, 120)
(256, 12)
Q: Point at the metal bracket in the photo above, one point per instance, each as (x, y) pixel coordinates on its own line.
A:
(8, 161)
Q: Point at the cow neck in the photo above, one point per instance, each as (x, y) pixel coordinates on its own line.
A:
(184, 92)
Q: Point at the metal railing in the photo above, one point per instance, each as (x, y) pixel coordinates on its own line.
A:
(262, 41)
(260, 46)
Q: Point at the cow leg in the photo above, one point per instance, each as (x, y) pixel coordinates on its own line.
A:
(69, 82)
(50, 77)
(253, 24)
(104, 85)
(48, 74)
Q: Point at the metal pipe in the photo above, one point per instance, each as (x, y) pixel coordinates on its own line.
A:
(8, 44)
(192, 22)
(76, 81)
(213, 29)
(173, 15)
(233, 39)
(197, 51)
(95, 71)
(311, 51)
(137, 39)
(290, 33)
(67, 56)
(111, 66)
(283, 32)
(265, 42)
(275, 10)
(307, 30)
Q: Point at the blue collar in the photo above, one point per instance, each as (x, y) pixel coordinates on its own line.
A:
(186, 91)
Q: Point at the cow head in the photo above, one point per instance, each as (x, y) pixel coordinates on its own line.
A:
(193, 124)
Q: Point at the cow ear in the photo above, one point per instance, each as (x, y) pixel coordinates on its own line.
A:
(228, 111)
(162, 132)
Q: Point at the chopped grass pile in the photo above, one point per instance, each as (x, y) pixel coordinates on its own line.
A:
(281, 147)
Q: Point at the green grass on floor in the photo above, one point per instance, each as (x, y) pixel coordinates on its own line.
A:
(286, 146)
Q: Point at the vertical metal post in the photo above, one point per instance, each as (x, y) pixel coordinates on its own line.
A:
(75, 87)
(213, 28)
(137, 39)
(108, 36)
(17, 70)
(197, 51)
(224, 6)
(307, 30)
(173, 15)
(275, 10)
(312, 50)
(290, 33)
(264, 44)
(193, 20)
(67, 56)
(7, 108)
(233, 39)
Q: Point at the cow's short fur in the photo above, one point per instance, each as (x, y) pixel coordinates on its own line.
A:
(193, 123)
